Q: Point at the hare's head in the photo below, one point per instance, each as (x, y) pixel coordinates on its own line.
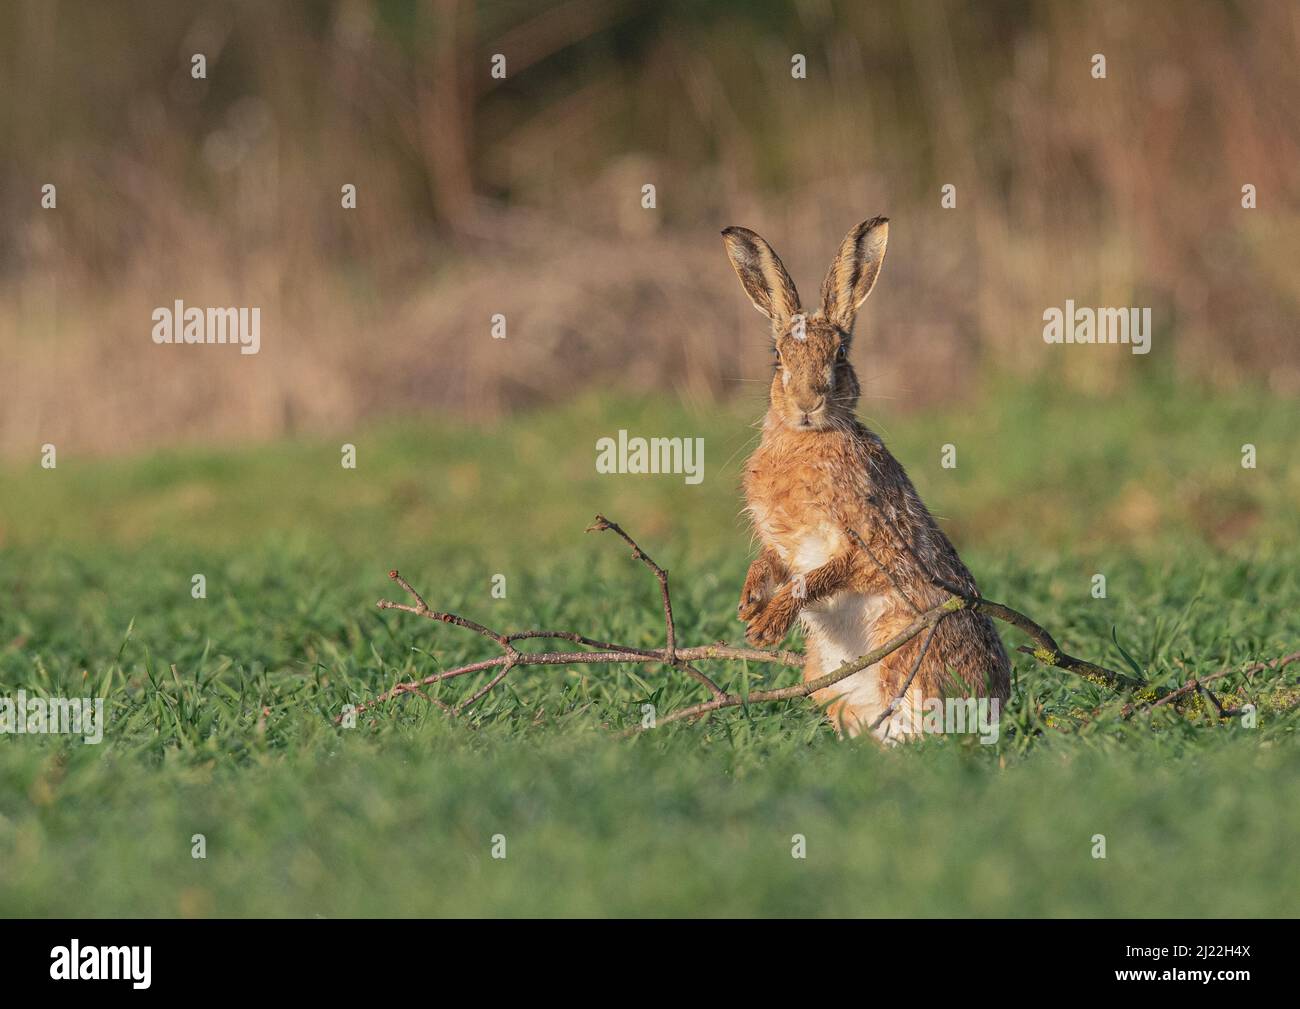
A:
(815, 386)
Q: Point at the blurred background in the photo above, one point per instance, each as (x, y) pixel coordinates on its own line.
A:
(523, 196)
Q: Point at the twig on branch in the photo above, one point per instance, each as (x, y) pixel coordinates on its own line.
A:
(1208, 694)
(482, 691)
(1047, 651)
(907, 684)
(421, 608)
(670, 627)
(1198, 683)
(600, 525)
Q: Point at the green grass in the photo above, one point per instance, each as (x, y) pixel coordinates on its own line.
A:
(221, 710)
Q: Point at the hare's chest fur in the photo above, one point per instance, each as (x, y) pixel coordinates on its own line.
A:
(799, 502)
(803, 542)
(796, 510)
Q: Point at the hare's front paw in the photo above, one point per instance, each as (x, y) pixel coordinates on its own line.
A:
(756, 592)
(752, 602)
(770, 626)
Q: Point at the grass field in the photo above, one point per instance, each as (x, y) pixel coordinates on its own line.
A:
(221, 709)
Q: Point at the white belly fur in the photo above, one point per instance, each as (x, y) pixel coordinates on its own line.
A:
(839, 630)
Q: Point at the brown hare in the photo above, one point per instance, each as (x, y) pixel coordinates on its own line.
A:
(818, 474)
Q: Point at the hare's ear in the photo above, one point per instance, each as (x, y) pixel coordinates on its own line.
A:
(760, 271)
(854, 272)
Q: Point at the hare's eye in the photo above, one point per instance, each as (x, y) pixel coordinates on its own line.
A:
(843, 352)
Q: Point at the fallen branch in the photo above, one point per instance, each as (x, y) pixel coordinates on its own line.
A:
(1048, 651)
(603, 651)
(683, 659)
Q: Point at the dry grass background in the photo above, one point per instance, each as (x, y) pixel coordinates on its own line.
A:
(522, 197)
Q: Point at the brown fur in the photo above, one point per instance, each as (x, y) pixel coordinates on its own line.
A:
(817, 472)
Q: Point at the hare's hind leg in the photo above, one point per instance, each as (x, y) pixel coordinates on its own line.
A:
(902, 708)
(856, 712)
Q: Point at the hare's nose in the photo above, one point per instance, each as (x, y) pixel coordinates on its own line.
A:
(810, 404)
